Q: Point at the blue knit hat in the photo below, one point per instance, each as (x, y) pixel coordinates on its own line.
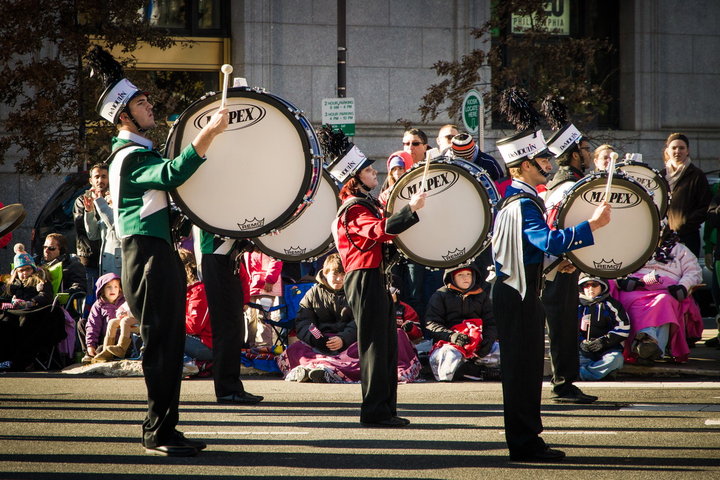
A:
(22, 258)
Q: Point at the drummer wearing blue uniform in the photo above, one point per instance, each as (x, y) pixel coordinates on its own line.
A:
(521, 238)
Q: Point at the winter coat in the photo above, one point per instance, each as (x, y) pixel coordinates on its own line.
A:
(606, 318)
(449, 306)
(99, 225)
(73, 273)
(691, 197)
(263, 269)
(101, 312)
(325, 312)
(408, 319)
(37, 291)
(197, 316)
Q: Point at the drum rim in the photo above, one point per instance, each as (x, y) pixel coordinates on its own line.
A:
(326, 246)
(636, 265)
(294, 208)
(20, 213)
(477, 248)
(663, 182)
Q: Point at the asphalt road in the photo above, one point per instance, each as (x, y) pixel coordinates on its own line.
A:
(55, 426)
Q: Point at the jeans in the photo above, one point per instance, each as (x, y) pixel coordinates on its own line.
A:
(194, 348)
(597, 369)
(661, 334)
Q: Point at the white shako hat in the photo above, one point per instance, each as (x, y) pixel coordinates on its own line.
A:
(118, 89)
(347, 159)
(522, 146)
(563, 139)
(115, 98)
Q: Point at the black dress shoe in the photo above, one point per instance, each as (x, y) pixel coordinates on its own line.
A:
(391, 422)
(545, 454)
(196, 444)
(243, 398)
(573, 394)
(174, 449)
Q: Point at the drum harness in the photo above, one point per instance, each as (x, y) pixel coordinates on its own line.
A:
(390, 253)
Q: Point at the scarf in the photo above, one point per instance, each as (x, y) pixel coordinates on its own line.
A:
(673, 174)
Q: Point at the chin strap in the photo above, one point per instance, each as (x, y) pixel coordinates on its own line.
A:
(135, 122)
(534, 163)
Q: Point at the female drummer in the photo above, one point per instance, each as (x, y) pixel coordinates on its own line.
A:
(360, 232)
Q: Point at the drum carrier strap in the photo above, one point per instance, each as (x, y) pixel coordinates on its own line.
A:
(507, 200)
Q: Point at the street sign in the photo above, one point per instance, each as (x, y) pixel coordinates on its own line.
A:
(340, 113)
(471, 107)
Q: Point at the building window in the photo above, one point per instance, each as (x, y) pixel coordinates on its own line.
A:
(190, 17)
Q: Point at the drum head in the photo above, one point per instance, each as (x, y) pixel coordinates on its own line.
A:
(651, 180)
(257, 172)
(455, 222)
(625, 244)
(309, 236)
(11, 216)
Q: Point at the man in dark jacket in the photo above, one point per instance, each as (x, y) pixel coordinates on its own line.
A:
(73, 272)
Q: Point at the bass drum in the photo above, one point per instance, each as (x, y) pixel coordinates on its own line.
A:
(260, 174)
(649, 178)
(308, 237)
(456, 222)
(625, 244)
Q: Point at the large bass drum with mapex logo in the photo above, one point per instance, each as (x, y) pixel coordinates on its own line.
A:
(308, 237)
(456, 221)
(260, 174)
(625, 244)
(650, 179)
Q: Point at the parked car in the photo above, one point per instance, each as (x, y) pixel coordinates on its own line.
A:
(703, 295)
(56, 215)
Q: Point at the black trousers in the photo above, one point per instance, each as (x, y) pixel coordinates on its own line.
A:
(560, 298)
(225, 303)
(369, 300)
(153, 281)
(521, 329)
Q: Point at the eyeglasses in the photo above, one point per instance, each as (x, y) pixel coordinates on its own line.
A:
(52, 249)
(414, 144)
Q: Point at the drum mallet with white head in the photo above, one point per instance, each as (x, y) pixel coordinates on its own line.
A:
(424, 177)
(610, 170)
(226, 70)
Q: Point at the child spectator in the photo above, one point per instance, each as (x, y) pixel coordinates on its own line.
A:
(406, 316)
(327, 350)
(397, 165)
(604, 327)
(109, 298)
(462, 325)
(28, 323)
(266, 290)
(26, 287)
(127, 325)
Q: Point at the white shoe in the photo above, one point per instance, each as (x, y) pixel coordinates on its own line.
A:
(190, 369)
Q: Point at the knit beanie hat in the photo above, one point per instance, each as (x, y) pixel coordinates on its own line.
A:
(396, 162)
(463, 146)
(22, 258)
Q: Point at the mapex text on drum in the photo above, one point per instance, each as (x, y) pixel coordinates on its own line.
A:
(240, 116)
(438, 183)
(618, 199)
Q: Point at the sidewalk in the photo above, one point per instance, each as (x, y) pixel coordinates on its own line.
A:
(704, 361)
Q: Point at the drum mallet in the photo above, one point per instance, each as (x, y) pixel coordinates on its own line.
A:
(424, 177)
(226, 70)
(610, 170)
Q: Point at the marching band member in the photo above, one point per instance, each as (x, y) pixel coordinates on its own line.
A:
(153, 277)
(360, 231)
(521, 238)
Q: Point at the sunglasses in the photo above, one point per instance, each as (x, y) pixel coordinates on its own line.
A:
(414, 144)
(52, 249)
(591, 284)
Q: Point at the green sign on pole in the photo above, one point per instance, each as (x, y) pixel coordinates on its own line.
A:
(471, 111)
(340, 113)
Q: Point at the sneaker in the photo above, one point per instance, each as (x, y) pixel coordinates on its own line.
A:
(190, 369)
(317, 375)
(6, 365)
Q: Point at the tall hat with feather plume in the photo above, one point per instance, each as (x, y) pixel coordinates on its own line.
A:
(529, 142)
(567, 134)
(346, 159)
(118, 89)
